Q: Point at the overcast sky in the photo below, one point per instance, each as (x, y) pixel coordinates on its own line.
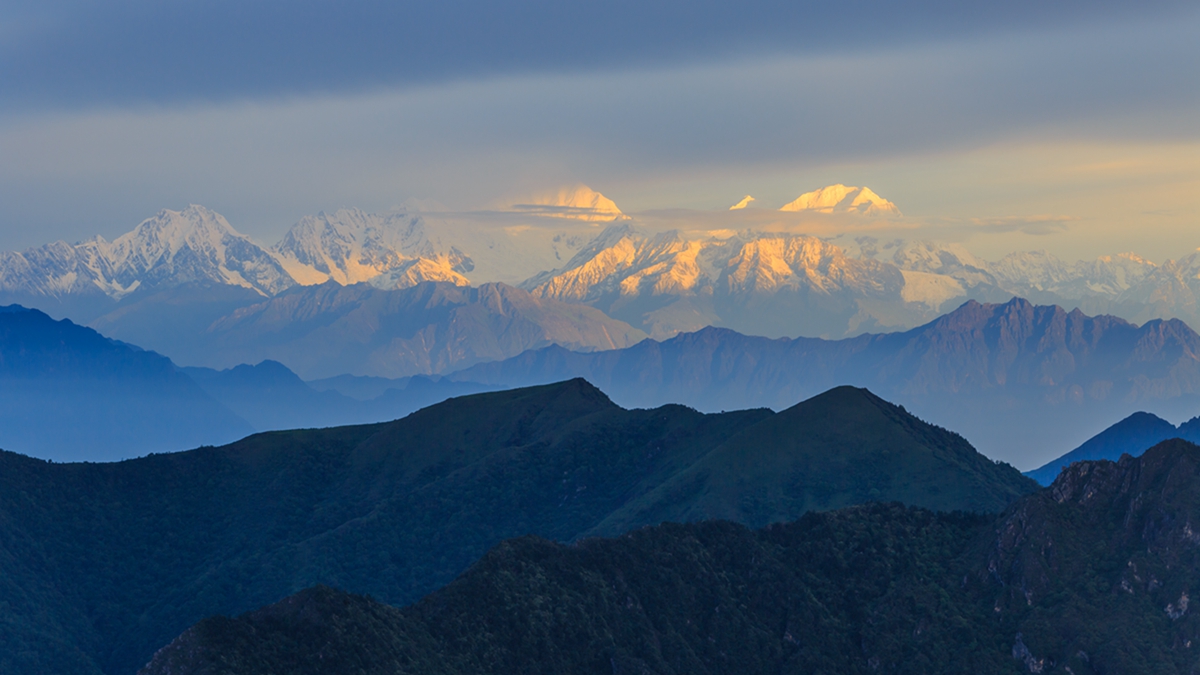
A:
(1071, 126)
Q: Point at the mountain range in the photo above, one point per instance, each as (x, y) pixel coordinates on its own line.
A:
(68, 393)
(1022, 381)
(1092, 575)
(577, 246)
(102, 564)
(328, 330)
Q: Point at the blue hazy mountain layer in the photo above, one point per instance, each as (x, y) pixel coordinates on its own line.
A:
(69, 393)
(1023, 382)
(1131, 436)
(271, 397)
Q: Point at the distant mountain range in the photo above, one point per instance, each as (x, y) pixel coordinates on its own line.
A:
(70, 394)
(1131, 436)
(1093, 575)
(328, 330)
(102, 564)
(1021, 381)
(577, 246)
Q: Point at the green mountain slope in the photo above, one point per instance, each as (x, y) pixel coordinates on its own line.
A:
(110, 561)
(1092, 575)
(845, 446)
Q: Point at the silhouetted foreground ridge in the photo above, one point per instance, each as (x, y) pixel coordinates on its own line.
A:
(102, 564)
(1092, 575)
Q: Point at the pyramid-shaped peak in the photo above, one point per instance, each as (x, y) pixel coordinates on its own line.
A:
(840, 198)
(745, 201)
(577, 202)
(174, 230)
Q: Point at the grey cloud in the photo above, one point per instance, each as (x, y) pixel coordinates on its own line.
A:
(74, 53)
(266, 164)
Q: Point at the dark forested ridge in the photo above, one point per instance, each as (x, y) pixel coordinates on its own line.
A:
(1092, 575)
(101, 564)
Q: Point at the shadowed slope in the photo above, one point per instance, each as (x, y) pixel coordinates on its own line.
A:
(845, 446)
(114, 559)
(1090, 576)
(108, 561)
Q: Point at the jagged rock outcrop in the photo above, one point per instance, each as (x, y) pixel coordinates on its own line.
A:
(1100, 567)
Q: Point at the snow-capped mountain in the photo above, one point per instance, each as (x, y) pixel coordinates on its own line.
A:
(577, 202)
(773, 284)
(351, 246)
(199, 246)
(843, 199)
(788, 285)
(1022, 273)
(194, 245)
(766, 283)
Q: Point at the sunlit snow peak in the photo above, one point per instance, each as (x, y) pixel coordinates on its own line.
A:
(742, 204)
(843, 199)
(578, 202)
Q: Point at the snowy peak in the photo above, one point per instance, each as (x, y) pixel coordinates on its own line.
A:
(843, 199)
(745, 201)
(351, 246)
(195, 245)
(577, 202)
(630, 264)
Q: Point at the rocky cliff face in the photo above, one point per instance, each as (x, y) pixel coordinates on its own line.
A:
(1102, 561)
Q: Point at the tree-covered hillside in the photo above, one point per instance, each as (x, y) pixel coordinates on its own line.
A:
(101, 564)
(1093, 575)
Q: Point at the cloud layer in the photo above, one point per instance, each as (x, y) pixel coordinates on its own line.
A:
(111, 112)
(80, 53)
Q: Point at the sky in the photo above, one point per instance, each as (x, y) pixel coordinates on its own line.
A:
(1067, 126)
